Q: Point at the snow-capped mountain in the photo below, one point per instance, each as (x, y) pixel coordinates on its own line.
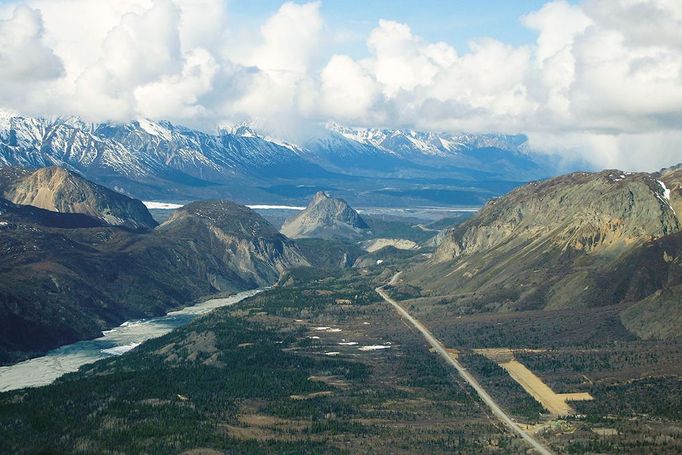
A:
(400, 152)
(140, 149)
(148, 158)
(407, 142)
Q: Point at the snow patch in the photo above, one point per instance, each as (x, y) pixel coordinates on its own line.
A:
(666, 190)
(155, 129)
(666, 196)
(374, 347)
(326, 329)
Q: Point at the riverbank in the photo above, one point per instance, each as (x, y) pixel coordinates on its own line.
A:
(43, 370)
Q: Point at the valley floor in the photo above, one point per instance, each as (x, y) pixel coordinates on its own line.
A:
(623, 394)
(326, 366)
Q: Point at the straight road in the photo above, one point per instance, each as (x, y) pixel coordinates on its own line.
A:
(440, 349)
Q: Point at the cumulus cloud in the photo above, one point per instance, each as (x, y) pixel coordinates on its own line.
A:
(28, 66)
(602, 82)
(140, 49)
(290, 38)
(402, 61)
(178, 96)
(348, 91)
(23, 54)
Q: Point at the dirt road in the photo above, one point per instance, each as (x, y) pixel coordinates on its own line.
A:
(440, 349)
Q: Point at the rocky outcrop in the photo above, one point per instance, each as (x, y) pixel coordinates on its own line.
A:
(59, 190)
(327, 218)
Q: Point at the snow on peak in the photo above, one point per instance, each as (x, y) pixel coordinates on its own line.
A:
(242, 129)
(155, 129)
(427, 143)
(6, 119)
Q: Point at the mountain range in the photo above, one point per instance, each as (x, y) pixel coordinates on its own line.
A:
(77, 258)
(159, 160)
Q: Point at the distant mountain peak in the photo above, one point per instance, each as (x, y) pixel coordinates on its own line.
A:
(399, 140)
(319, 197)
(325, 217)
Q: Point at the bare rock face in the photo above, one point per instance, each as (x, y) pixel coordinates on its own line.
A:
(567, 242)
(246, 245)
(327, 218)
(59, 190)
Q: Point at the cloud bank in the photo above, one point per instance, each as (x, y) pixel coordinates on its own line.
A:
(601, 83)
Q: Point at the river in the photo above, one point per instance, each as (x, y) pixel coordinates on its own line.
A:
(44, 370)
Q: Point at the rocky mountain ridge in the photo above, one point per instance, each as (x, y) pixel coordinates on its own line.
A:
(249, 247)
(59, 190)
(581, 211)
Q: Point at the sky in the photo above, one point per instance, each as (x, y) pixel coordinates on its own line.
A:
(452, 21)
(592, 80)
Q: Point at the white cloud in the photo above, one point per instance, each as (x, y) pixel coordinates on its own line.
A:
(602, 82)
(277, 86)
(290, 39)
(23, 54)
(558, 24)
(203, 23)
(177, 96)
(28, 66)
(402, 61)
(140, 49)
(348, 91)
